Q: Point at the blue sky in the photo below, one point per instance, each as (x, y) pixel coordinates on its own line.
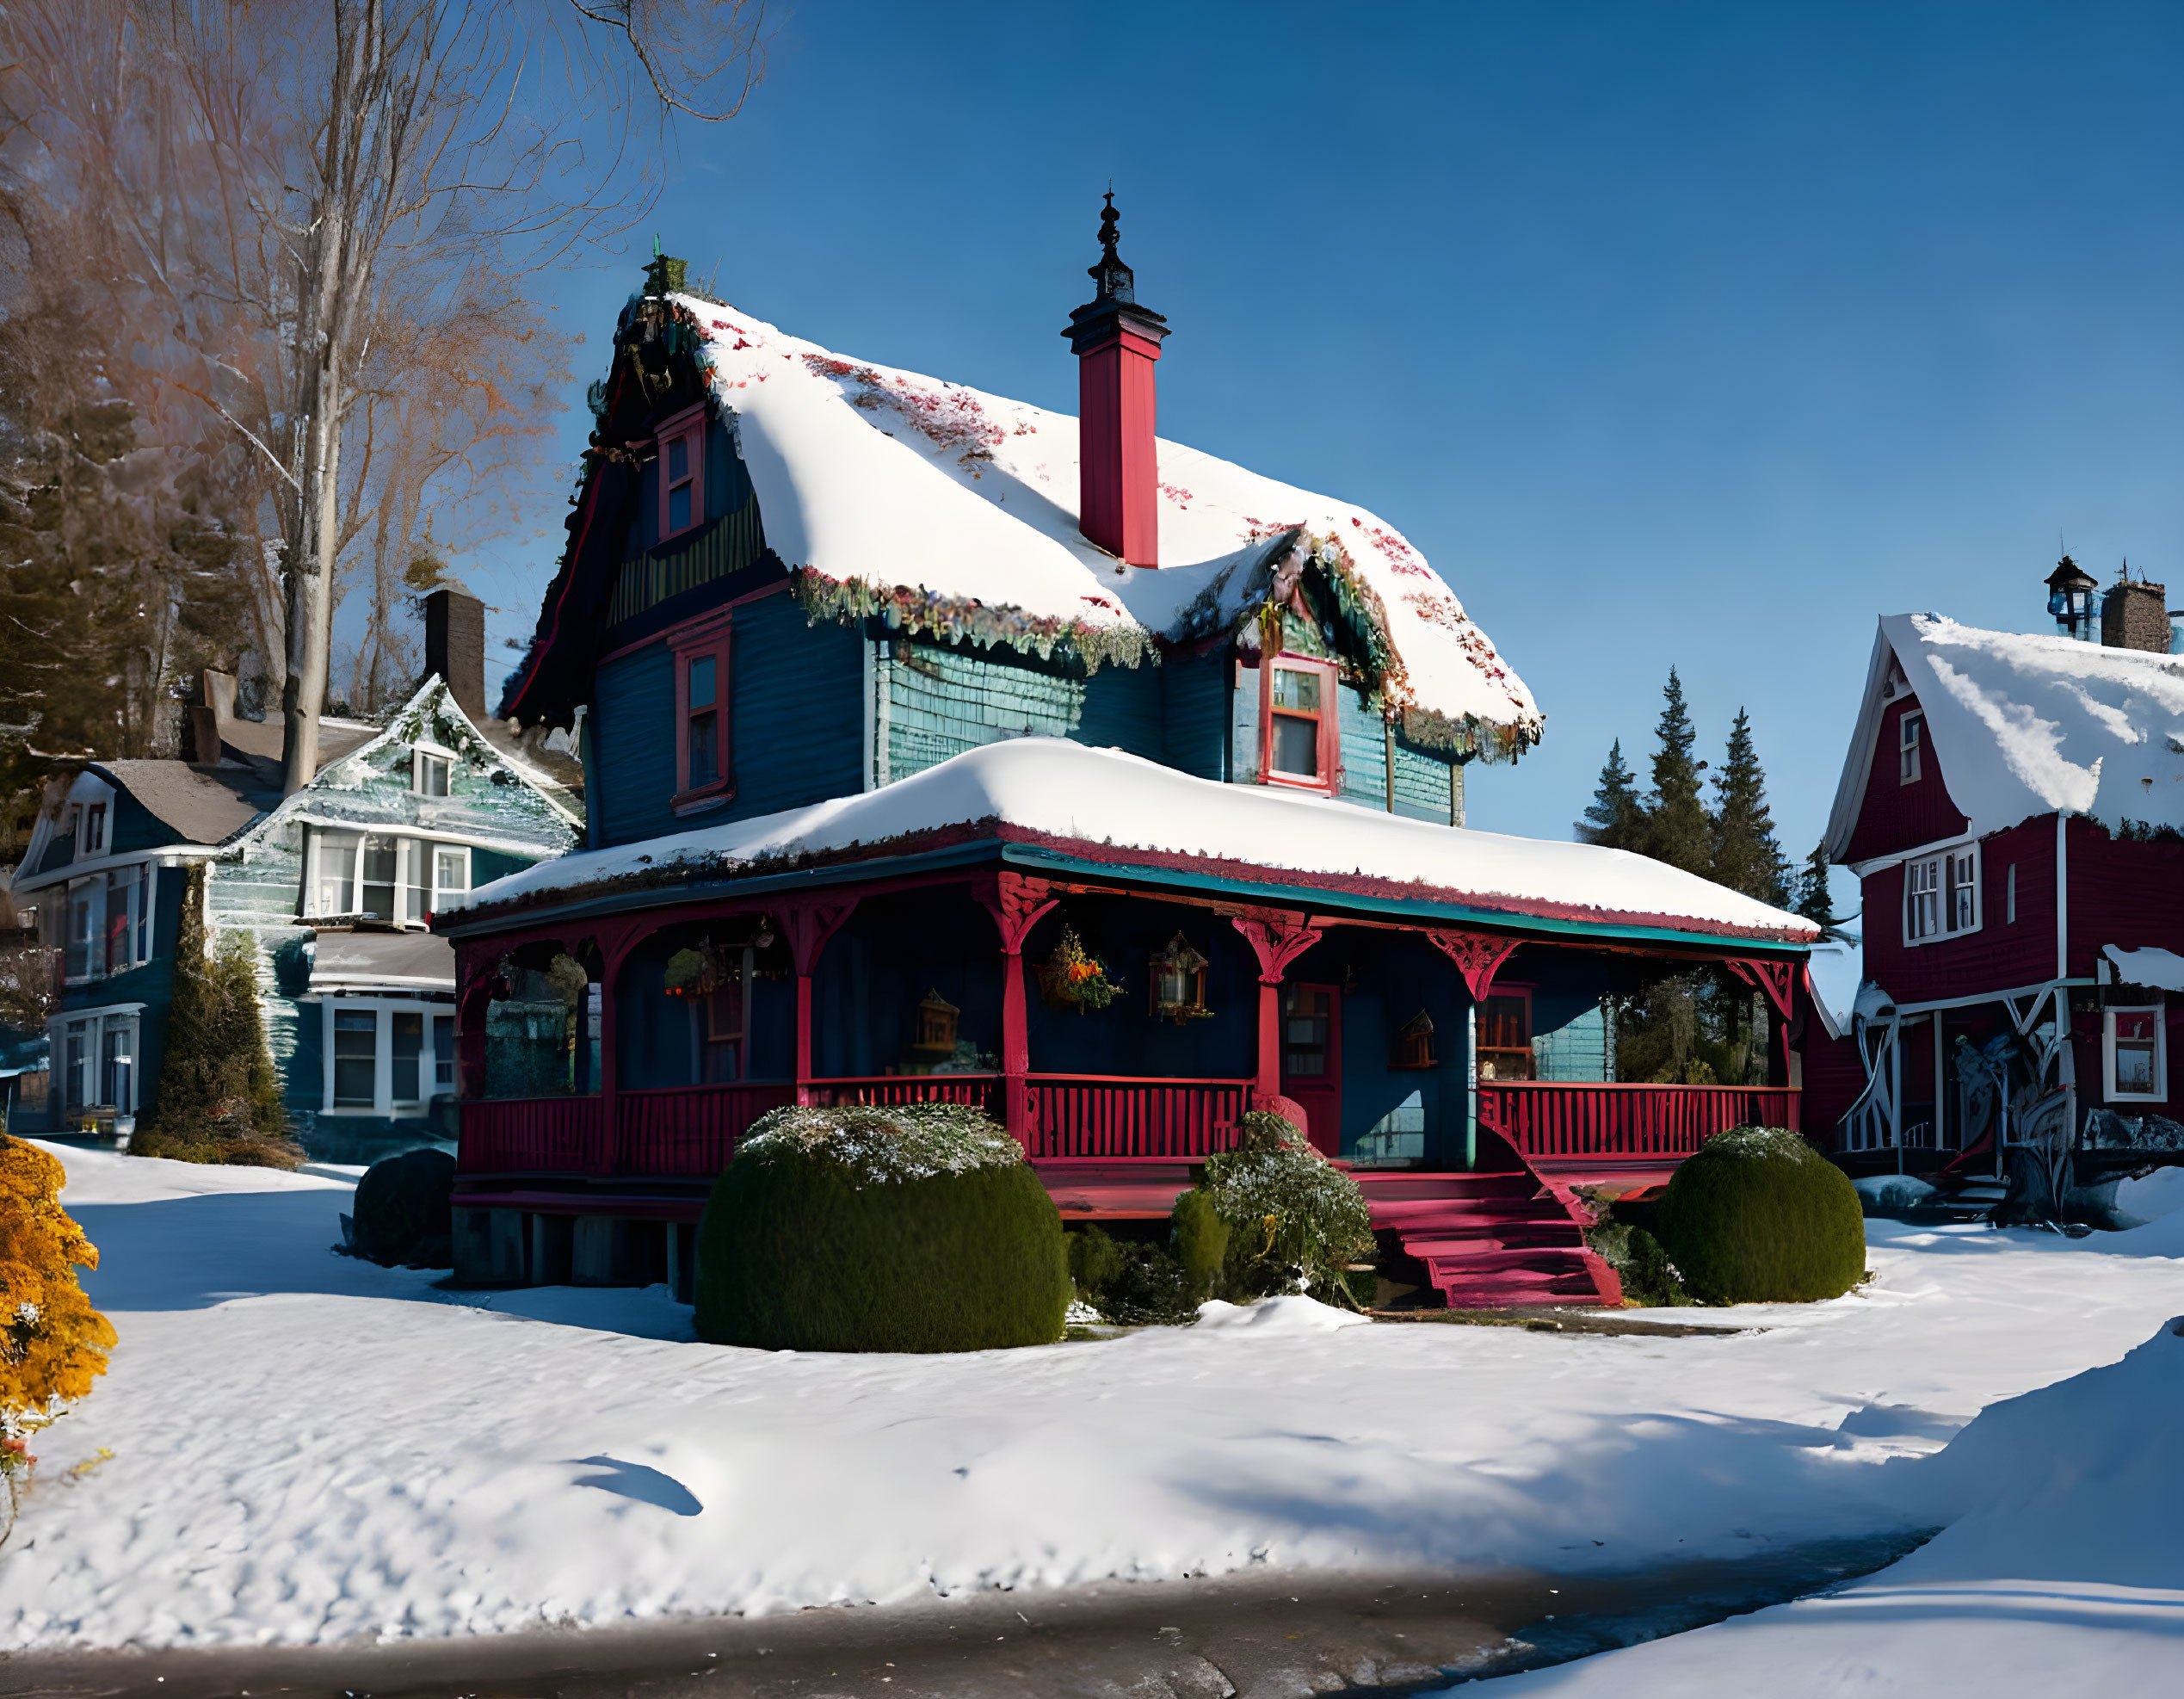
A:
(1695, 334)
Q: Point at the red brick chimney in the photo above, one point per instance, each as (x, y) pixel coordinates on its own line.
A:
(1116, 343)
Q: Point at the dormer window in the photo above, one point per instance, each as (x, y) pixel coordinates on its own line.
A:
(93, 842)
(682, 474)
(1910, 738)
(1297, 726)
(430, 773)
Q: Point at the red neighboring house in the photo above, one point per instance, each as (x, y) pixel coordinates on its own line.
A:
(2011, 805)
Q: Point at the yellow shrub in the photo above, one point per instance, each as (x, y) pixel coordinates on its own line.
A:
(52, 1342)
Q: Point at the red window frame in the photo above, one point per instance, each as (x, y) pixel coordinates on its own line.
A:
(687, 430)
(1328, 749)
(703, 640)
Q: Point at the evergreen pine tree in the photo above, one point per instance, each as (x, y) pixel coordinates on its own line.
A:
(1746, 856)
(219, 1097)
(1677, 831)
(1814, 900)
(1616, 817)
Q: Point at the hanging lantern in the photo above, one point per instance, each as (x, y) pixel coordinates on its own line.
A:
(1178, 986)
(936, 1019)
(1414, 1043)
(2073, 599)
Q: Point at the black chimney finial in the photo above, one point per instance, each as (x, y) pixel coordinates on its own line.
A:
(1113, 278)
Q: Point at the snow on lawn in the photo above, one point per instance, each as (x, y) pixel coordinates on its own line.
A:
(305, 1448)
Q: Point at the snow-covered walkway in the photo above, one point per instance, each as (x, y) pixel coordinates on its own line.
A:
(306, 1449)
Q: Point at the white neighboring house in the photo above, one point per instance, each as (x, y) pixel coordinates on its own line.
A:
(336, 885)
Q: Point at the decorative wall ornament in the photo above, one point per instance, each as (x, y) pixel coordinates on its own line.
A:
(936, 1023)
(1176, 991)
(1071, 979)
(1414, 1043)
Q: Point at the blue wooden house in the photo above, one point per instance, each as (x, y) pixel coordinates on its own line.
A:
(335, 885)
(942, 747)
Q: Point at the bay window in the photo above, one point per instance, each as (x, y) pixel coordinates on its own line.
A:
(379, 876)
(385, 1057)
(107, 921)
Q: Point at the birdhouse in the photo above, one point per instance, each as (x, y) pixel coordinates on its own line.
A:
(1414, 1043)
(936, 1018)
(1177, 983)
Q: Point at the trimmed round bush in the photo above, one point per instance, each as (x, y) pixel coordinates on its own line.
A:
(916, 1228)
(1758, 1216)
(403, 1211)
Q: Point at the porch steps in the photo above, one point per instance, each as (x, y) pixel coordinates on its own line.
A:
(1492, 1241)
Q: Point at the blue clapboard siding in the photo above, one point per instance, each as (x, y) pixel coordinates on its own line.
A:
(1122, 710)
(1194, 692)
(633, 735)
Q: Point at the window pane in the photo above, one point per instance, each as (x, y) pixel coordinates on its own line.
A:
(407, 1029)
(678, 460)
(336, 871)
(2134, 1069)
(116, 1056)
(701, 682)
(1296, 746)
(705, 767)
(356, 1044)
(432, 775)
(382, 861)
(1305, 1024)
(443, 1053)
(1299, 692)
(679, 507)
(451, 870)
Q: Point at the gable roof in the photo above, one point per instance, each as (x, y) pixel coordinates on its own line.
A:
(2025, 726)
(944, 509)
(1102, 805)
(204, 805)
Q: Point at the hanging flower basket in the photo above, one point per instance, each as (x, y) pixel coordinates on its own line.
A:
(698, 972)
(1070, 979)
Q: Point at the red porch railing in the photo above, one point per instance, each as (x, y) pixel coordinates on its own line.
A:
(1626, 1122)
(546, 1134)
(690, 1130)
(979, 1090)
(1106, 1116)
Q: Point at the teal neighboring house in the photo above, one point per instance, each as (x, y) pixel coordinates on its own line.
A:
(335, 886)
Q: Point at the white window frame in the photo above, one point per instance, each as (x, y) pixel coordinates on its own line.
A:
(1950, 879)
(420, 754)
(417, 872)
(383, 1009)
(93, 1025)
(1910, 742)
(2109, 1092)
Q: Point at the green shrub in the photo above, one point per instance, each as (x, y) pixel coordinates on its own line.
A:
(1649, 1277)
(1095, 1260)
(1294, 1220)
(1758, 1216)
(404, 1211)
(917, 1228)
(1201, 1239)
(1151, 1289)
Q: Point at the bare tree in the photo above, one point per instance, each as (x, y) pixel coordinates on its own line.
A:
(278, 190)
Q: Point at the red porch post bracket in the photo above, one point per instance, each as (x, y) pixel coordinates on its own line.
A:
(1479, 956)
(807, 926)
(1775, 980)
(1278, 939)
(1016, 904)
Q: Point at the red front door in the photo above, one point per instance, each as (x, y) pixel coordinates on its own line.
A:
(1311, 1059)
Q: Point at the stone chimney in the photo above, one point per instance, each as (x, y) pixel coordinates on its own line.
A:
(2134, 614)
(1116, 343)
(455, 648)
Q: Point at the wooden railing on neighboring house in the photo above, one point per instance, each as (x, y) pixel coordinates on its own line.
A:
(1100, 1116)
(1547, 1122)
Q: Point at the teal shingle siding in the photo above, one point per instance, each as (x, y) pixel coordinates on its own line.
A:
(940, 702)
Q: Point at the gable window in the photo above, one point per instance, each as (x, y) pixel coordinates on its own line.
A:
(703, 772)
(1910, 737)
(430, 775)
(1297, 727)
(1941, 895)
(682, 474)
(2136, 1054)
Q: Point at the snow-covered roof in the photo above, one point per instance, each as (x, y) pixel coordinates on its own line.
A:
(950, 509)
(1101, 805)
(2025, 726)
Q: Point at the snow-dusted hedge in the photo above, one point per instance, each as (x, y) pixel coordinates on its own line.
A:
(1294, 1218)
(1757, 1215)
(915, 1228)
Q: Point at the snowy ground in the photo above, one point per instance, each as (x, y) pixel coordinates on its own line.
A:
(306, 1449)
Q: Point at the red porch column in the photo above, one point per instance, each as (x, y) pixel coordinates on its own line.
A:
(1016, 904)
(807, 926)
(1278, 938)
